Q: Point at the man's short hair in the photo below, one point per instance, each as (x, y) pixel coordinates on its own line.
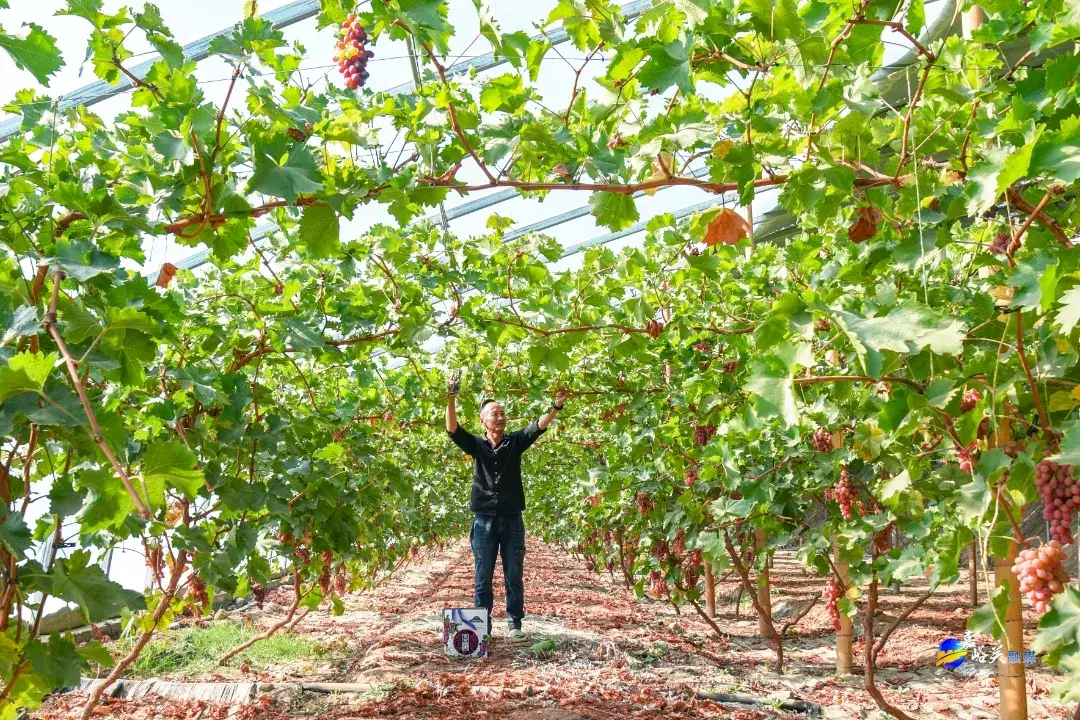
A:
(484, 403)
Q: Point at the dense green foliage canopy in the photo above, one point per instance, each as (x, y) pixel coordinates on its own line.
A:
(287, 400)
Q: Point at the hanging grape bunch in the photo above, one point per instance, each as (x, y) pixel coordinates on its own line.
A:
(844, 493)
(970, 400)
(1061, 498)
(351, 56)
(831, 595)
(659, 584)
(644, 502)
(692, 476)
(1041, 574)
(822, 440)
(703, 434)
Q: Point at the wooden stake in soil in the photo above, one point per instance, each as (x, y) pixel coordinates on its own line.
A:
(973, 573)
(764, 625)
(1011, 677)
(710, 591)
(844, 658)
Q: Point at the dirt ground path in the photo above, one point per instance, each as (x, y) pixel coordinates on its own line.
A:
(616, 656)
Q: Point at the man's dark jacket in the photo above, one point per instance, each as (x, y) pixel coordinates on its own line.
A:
(497, 486)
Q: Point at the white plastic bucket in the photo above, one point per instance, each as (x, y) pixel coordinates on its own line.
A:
(465, 632)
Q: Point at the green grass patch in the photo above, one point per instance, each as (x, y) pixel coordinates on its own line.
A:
(195, 652)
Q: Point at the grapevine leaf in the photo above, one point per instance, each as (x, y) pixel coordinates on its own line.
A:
(24, 322)
(770, 384)
(667, 66)
(988, 618)
(35, 52)
(989, 178)
(64, 499)
(577, 20)
(1069, 314)
(1070, 446)
(320, 231)
(60, 662)
(974, 500)
(696, 11)
(25, 372)
(95, 652)
(297, 174)
(1058, 153)
(616, 211)
(15, 534)
(82, 260)
(171, 462)
(74, 579)
(1060, 625)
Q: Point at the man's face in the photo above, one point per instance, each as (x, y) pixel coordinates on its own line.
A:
(493, 417)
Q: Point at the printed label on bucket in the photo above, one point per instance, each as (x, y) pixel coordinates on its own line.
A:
(465, 632)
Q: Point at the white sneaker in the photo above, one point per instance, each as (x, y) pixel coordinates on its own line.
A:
(517, 634)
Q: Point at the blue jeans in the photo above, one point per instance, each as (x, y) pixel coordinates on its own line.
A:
(493, 535)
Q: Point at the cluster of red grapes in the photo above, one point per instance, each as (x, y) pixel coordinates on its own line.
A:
(844, 493)
(1041, 574)
(822, 324)
(341, 580)
(644, 502)
(659, 584)
(660, 550)
(197, 597)
(831, 595)
(153, 561)
(1014, 447)
(703, 434)
(731, 367)
(325, 577)
(678, 548)
(822, 440)
(654, 328)
(1001, 243)
(704, 347)
(351, 56)
(258, 591)
(971, 399)
(1061, 498)
(691, 476)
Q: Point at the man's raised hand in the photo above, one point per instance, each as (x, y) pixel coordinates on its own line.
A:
(453, 387)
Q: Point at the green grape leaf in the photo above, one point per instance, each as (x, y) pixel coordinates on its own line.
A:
(34, 51)
(1060, 625)
(24, 322)
(170, 461)
(616, 211)
(74, 579)
(320, 231)
(989, 618)
(1069, 315)
(82, 260)
(25, 372)
(15, 534)
(286, 179)
(60, 662)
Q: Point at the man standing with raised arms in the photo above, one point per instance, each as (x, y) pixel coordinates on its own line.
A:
(498, 500)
